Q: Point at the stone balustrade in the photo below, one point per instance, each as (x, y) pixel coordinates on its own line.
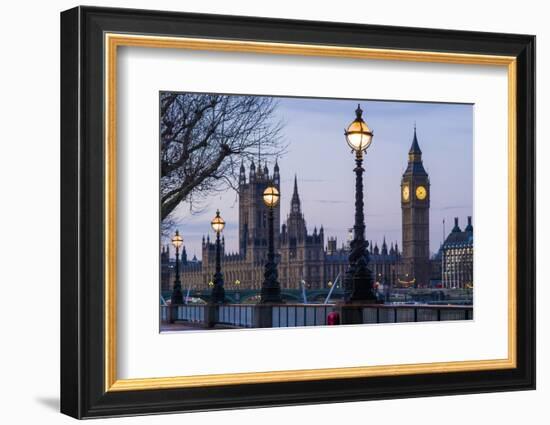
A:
(294, 315)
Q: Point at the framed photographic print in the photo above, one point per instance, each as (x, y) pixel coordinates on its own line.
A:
(261, 212)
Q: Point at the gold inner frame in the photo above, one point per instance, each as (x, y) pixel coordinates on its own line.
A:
(113, 41)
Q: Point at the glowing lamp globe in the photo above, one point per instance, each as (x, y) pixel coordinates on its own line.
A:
(358, 134)
(271, 196)
(177, 240)
(217, 223)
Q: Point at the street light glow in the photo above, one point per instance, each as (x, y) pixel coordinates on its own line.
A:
(177, 240)
(218, 223)
(358, 134)
(271, 196)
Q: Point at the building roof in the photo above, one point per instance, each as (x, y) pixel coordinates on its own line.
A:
(415, 165)
(415, 147)
(458, 238)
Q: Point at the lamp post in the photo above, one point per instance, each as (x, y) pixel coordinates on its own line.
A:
(177, 295)
(218, 293)
(271, 290)
(238, 294)
(358, 281)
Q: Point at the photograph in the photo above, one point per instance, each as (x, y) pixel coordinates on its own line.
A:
(279, 210)
(290, 212)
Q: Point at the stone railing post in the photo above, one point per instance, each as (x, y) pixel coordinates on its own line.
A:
(211, 315)
(350, 314)
(172, 313)
(263, 316)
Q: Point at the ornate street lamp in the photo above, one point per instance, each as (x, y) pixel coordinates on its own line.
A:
(358, 281)
(177, 295)
(218, 293)
(238, 294)
(271, 290)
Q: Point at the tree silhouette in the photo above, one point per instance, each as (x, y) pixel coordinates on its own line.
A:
(204, 138)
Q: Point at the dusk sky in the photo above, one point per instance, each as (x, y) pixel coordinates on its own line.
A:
(319, 155)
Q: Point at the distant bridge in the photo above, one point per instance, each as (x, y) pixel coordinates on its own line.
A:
(250, 295)
(425, 295)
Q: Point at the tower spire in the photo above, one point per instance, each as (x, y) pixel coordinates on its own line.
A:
(384, 247)
(456, 227)
(259, 154)
(415, 147)
(242, 176)
(415, 165)
(295, 202)
(469, 227)
(276, 176)
(252, 172)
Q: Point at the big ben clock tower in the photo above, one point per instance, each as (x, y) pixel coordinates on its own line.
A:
(415, 206)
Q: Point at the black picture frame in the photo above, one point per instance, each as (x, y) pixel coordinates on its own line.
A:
(83, 392)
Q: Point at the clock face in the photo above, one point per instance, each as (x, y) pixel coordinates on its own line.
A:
(421, 192)
(406, 193)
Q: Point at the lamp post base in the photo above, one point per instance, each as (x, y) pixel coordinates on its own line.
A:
(271, 290)
(218, 292)
(359, 284)
(352, 314)
(177, 297)
(271, 295)
(217, 297)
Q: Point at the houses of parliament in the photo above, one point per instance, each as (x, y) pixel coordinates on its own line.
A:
(307, 256)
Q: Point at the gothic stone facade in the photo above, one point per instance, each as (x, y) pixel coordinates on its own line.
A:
(303, 255)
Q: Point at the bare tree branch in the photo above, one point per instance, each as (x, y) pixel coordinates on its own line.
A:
(204, 137)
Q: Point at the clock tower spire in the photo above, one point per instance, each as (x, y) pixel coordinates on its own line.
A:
(415, 207)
